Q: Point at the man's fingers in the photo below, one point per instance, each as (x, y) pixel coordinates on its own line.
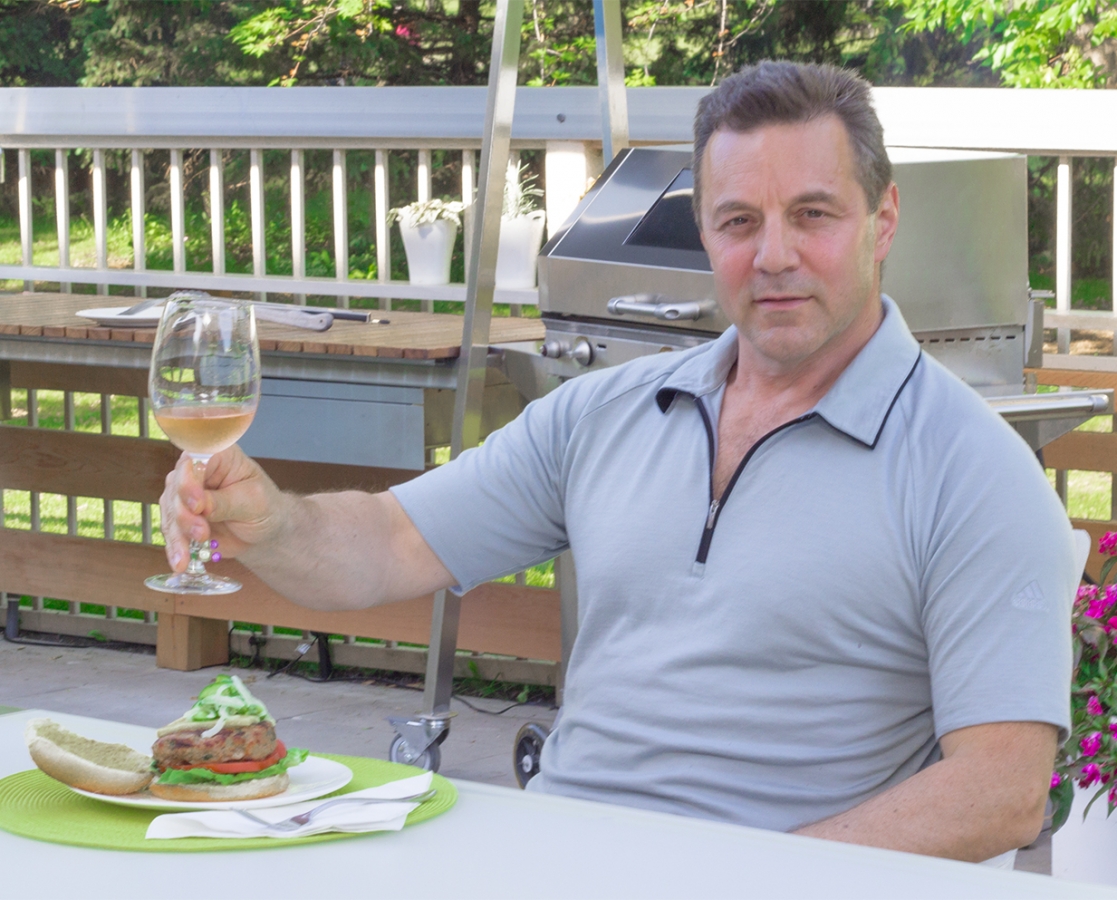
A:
(171, 510)
(233, 501)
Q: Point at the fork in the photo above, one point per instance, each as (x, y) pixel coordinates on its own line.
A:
(296, 822)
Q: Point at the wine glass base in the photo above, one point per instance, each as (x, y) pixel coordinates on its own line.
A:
(192, 584)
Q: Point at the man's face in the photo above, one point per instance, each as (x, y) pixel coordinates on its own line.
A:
(794, 247)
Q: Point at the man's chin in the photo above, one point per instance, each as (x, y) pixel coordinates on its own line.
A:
(785, 346)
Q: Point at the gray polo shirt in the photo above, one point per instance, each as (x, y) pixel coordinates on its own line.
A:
(888, 568)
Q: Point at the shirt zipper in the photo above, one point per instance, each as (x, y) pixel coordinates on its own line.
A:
(718, 503)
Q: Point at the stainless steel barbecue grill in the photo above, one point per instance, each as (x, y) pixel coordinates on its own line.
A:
(627, 276)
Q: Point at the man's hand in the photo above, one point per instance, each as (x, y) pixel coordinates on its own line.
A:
(984, 797)
(239, 505)
(328, 551)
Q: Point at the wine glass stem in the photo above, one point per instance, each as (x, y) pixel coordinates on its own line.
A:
(195, 566)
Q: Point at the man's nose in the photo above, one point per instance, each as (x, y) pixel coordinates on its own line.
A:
(775, 249)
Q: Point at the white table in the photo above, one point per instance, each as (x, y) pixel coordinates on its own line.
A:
(498, 842)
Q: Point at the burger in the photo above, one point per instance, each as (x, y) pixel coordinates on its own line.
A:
(223, 748)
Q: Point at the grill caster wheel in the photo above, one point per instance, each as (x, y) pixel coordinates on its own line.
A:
(527, 750)
(430, 759)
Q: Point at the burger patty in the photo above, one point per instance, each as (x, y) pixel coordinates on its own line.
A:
(189, 748)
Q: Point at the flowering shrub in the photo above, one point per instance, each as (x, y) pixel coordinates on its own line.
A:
(1089, 757)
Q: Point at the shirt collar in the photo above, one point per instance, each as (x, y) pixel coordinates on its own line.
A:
(857, 404)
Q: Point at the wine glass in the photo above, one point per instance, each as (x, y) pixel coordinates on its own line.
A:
(204, 385)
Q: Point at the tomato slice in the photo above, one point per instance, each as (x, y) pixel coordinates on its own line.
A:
(244, 765)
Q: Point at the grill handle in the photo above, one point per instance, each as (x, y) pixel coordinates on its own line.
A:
(658, 306)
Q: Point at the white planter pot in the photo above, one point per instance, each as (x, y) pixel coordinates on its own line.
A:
(429, 248)
(518, 251)
(1086, 850)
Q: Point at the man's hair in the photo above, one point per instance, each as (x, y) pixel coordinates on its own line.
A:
(771, 93)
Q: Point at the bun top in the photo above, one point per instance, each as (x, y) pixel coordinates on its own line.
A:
(111, 756)
(223, 703)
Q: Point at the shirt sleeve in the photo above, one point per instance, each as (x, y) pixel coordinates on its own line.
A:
(498, 509)
(1000, 576)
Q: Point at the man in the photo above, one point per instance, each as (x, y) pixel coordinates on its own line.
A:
(822, 587)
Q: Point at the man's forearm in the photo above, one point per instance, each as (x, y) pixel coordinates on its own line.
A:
(345, 551)
(982, 800)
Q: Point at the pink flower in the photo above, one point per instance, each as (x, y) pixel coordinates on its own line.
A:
(1111, 624)
(1113, 729)
(1057, 779)
(1096, 609)
(1093, 707)
(1091, 774)
(1091, 744)
(1108, 544)
(1113, 796)
(1087, 591)
(404, 32)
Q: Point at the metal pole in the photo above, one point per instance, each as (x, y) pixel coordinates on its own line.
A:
(496, 142)
(610, 77)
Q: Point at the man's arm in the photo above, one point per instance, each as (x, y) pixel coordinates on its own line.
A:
(328, 551)
(984, 797)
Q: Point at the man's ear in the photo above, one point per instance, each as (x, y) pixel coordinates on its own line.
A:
(887, 221)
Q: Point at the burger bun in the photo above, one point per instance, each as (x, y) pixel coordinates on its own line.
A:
(253, 789)
(89, 765)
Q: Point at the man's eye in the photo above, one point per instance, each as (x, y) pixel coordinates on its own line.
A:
(813, 214)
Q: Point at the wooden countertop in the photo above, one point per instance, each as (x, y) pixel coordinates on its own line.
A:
(409, 335)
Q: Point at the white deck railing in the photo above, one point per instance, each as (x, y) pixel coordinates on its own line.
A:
(563, 122)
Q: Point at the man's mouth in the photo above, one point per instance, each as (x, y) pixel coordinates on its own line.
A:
(781, 301)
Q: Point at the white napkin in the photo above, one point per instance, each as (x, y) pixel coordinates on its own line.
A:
(347, 817)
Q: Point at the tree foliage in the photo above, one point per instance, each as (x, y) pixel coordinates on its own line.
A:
(1030, 43)
(1027, 43)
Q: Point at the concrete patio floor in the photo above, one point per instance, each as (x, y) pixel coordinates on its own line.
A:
(336, 717)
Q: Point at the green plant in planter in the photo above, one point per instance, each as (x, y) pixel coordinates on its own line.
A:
(426, 212)
(521, 192)
(1089, 756)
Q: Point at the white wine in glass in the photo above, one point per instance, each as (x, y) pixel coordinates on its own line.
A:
(205, 386)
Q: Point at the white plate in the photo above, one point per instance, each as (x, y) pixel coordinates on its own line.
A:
(313, 778)
(114, 315)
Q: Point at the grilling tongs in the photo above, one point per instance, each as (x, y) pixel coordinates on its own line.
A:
(310, 318)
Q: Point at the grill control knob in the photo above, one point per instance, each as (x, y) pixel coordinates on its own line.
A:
(582, 353)
(554, 349)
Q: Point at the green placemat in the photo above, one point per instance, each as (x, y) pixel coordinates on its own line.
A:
(34, 805)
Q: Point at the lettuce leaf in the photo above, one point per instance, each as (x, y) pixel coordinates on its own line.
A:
(294, 756)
